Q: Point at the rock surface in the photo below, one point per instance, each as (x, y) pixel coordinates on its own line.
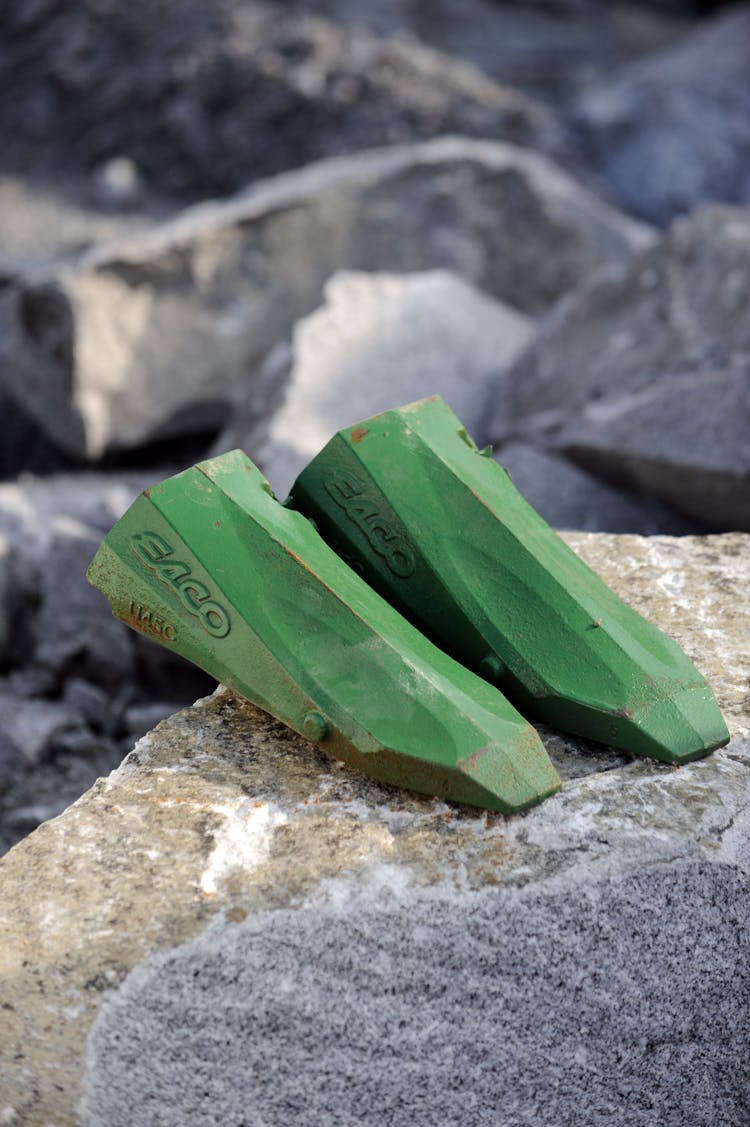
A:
(553, 48)
(234, 926)
(569, 497)
(672, 131)
(685, 439)
(645, 372)
(42, 223)
(379, 340)
(241, 91)
(90, 352)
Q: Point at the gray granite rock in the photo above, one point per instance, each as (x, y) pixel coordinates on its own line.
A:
(205, 99)
(89, 352)
(672, 131)
(386, 1004)
(552, 48)
(234, 927)
(569, 497)
(379, 340)
(645, 372)
(685, 439)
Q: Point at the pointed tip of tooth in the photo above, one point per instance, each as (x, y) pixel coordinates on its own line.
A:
(682, 727)
(508, 778)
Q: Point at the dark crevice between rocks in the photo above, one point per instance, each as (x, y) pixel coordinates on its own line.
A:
(25, 448)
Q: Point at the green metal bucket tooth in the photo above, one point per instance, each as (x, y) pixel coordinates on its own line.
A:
(209, 564)
(439, 529)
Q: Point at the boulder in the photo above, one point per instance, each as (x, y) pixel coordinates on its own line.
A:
(569, 497)
(643, 373)
(379, 340)
(29, 506)
(199, 102)
(234, 927)
(40, 223)
(552, 49)
(90, 351)
(685, 439)
(672, 131)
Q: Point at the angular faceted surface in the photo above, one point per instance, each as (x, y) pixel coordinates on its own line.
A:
(209, 564)
(439, 529)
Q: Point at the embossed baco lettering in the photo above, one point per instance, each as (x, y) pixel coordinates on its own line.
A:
(364, 508)
(146, 619)
(195, 596)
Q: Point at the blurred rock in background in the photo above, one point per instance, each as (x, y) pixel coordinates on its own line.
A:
(250, 223)
(672, 131)
(184, 314)
(569, 497)
(548, 48)
(380, 339)
(643, 375)
(202, 98)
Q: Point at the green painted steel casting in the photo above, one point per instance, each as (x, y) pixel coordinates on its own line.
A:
(210, 565)
(444, 552)
(439, 529)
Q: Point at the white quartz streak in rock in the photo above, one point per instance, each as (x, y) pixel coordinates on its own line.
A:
(243, 841)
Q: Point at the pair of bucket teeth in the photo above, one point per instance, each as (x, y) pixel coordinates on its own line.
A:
(395, 605)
